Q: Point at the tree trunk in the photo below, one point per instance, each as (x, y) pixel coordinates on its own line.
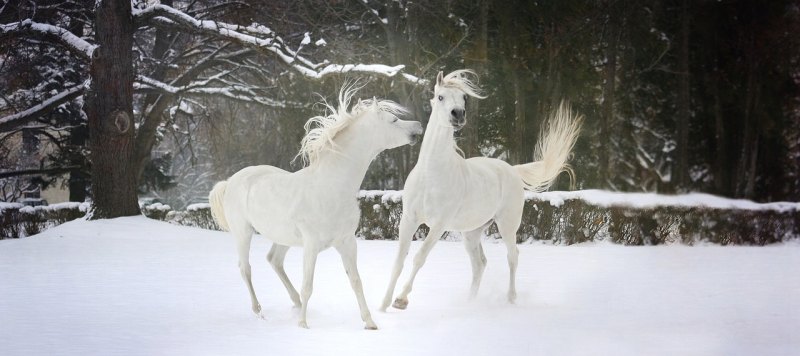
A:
(747, 160)
(110, 112)
(78, 179)
(477, 59)
(520, 118)
(609, 88)
(156, 103)
(721, 171)
(682, 164)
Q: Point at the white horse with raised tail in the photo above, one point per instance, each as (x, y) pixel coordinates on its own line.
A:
(314, 208)
(450, 193)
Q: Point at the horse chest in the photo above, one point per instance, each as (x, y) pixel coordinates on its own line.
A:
(433, 197)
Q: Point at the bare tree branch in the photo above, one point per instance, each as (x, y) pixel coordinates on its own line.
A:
(55, 33)
(30, 172)
(23, 117)
(230, 90)
(263, 38)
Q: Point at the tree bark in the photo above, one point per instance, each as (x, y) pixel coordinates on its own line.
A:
(477, 60)
(110, 112)
(78, 178)
(609, 97)
(520, 122)
(745, 176)
(156, 103)
(721, 171)
(682, 164)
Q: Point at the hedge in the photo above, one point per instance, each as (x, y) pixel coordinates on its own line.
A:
(557, 217)
(17, 220)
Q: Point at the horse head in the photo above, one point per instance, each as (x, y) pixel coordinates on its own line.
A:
(379, 123)
(450, 98)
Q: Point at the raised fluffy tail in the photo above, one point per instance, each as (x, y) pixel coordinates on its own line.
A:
(215, 200)
(552, 151)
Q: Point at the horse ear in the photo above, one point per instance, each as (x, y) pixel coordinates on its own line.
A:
(439, 78)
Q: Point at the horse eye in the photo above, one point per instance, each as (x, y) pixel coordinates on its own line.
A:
(394, 119)
(441, 98)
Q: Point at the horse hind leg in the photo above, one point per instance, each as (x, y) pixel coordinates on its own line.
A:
(472, 242)
(244, 235)
(508, 230)
(275, 257)
(348, 251)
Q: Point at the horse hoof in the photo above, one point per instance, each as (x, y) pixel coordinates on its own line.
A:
(371, 326)
(400, 303)
(257, 309)
(303, 324)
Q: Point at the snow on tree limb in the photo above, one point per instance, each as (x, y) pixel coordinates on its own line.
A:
(63, 36)
(263, 38)
(23, 117)
(198, 88)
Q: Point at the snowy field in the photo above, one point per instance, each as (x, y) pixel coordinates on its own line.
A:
(142, 287)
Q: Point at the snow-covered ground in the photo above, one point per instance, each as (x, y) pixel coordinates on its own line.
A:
(138, 286)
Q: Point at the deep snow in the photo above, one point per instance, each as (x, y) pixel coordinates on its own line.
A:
(138, 286)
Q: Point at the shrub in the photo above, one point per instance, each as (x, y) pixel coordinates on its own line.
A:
(564, 218)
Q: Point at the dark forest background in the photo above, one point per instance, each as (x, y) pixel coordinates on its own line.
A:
(678, 95)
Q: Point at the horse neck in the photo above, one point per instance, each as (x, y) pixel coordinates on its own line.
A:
(345, 167)
(438, 145)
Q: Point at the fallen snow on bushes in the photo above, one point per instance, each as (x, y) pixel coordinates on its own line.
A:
(139, 286)
(604, 198)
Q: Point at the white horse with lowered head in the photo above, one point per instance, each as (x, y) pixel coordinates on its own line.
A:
(450, 193)
(314, 208)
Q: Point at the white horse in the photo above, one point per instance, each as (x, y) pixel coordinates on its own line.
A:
(315, 207)
(450, 193)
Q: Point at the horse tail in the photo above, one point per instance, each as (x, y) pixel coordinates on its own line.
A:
(552, 151)
(215, 200)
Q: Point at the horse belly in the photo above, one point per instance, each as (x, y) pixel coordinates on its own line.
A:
(281, 233)
(474, 213)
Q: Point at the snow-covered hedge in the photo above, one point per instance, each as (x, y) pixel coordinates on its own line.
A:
(197, 215)
(556, 217)
(17, 220)
(624, 218)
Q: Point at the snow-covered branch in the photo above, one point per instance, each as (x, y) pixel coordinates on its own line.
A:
(23, 117)
(61, 35)
(199, 88)
(264, 39)
(375, 13)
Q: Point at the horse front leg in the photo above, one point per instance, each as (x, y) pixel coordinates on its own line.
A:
(408, 226)
(244, 235)
(419, 260)
(309, 262)
(348, 250)
(508, 230)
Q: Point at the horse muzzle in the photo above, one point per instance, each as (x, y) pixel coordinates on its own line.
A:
(458, 125)
(415, 135)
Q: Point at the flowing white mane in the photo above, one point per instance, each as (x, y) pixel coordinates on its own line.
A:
(321, 130)
(460, 79)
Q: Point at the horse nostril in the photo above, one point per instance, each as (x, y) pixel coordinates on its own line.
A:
(458, 114)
